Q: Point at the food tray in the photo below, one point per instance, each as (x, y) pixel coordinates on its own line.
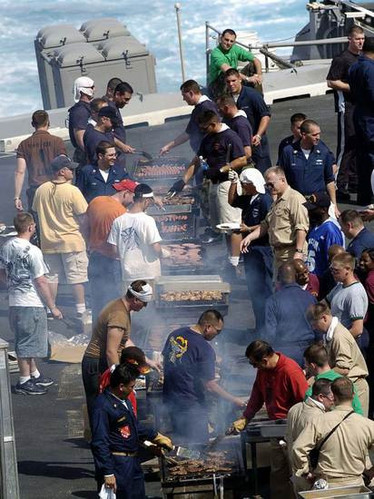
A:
(185, 258)
(159, 169)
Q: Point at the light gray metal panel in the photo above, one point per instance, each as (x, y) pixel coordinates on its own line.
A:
(77, 54)
(8, 460)
(59, 35)
(115, 48)
(102, 29)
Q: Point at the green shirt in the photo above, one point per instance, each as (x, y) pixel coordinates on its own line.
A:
(331, 376)
(231, 57)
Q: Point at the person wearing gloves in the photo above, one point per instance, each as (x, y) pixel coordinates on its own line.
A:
(255, 203)
(79, 114)
(116, 435)
(280, 383)
(111, 334)
(223, 150)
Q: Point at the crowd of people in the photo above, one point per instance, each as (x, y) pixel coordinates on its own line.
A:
(308, 267)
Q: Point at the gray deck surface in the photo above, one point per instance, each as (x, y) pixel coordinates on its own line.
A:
(54, 461)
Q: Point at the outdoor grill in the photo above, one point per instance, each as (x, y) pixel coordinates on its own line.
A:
(175, 223)
(159, 171)
(184, 258)
(192, 293)
(215, 472)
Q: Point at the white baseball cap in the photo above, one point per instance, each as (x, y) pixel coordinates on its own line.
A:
(255, 177)
(85, 85)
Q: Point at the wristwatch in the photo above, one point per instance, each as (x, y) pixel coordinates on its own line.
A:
(299, 251)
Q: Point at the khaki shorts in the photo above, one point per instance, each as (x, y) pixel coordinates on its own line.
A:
(220, 209)
(67, 268)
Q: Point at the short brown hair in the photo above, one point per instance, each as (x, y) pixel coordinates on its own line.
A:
(190, 86)
(232, 72)
(97, 104)
(226, 100)
(39, 118)
(344, 260)
(321, 387)
(295, 118)
(351, 216)
(343, 389)
(306, 125)
(103, 146)
(258, 349)
(316, 311)
(208, 117)
(22, 221)
(355, 29)
(317, 354)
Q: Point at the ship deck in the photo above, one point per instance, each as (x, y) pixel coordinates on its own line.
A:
(53, 458)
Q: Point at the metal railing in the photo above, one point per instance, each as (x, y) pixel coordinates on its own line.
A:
(9, 487)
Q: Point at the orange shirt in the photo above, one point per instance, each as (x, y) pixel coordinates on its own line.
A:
(101, 213)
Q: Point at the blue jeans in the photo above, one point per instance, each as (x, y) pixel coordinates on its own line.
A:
(104, 275)
(258, 265)
(29, 325)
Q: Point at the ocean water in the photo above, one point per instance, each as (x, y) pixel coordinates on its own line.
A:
(152, 22)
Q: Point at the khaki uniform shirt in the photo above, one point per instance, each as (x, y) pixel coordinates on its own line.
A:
(286, 215)
(298, 417)
(345, 354)
(343, 455)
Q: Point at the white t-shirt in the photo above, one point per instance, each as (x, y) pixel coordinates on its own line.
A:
(23, 262)
(133, 234)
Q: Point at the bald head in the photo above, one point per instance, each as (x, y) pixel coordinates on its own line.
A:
(286, 273)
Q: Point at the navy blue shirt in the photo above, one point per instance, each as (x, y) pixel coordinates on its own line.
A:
(287, 327)
(193, 129)
(214, 147)
(254, 213)
(283, 143)
(119, 129)
(308, 175)
(241, 126)
(92, 184)
(91, 139)
(363, 240)
(254, 106)
(79, 115)
(189, 361)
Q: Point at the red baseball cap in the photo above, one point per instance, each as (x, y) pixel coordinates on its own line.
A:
(125, 185)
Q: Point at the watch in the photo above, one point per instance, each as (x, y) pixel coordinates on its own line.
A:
(299, 251)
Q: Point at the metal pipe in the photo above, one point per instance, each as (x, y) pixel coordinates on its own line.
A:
(177, 7)
(207, 52)
(9, 487)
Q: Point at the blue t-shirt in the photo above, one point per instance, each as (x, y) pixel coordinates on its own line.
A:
(193, 129)
(189, 361)
(241, 126)
(319, 241)
(363, 240)
(79, 115)
(220, 148)
(253, 213)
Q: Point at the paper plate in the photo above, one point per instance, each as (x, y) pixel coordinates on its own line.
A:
(229, 226)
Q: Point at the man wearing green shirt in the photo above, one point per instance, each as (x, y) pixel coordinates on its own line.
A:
(226, 56)
(317, 365)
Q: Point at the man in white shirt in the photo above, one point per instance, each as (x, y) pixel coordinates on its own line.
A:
(23, 269)
(137, 239)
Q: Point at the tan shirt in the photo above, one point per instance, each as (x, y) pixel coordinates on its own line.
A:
(344, 453)
(298, 417)
(58, 206)
(115, 315)
(286, 215)
(345, 354)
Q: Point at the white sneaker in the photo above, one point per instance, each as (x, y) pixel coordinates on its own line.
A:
(85, 317)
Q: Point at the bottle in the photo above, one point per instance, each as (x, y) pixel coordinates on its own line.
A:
(320, 484)
(203, 164)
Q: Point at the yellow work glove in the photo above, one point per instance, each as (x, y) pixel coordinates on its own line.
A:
(237, 426)
(163, 441)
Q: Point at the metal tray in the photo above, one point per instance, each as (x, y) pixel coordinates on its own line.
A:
(350, 492)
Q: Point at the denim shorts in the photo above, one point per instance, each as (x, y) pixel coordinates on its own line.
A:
(29, 325)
